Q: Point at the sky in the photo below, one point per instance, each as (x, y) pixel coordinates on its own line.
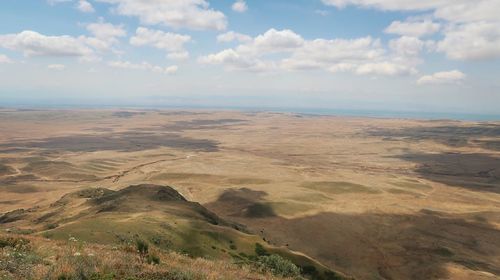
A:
(401, 55)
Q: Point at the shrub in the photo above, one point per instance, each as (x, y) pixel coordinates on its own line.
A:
(260, 250)
(51, 226)
(330, 275)
(310, 270)
(142, 247)
(153, 259)
(278, 266)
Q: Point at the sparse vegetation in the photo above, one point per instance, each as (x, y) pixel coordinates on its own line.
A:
(278, 266)
(38, 258)
(260, 250)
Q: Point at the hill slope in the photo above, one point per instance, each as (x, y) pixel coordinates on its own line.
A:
(158, 215)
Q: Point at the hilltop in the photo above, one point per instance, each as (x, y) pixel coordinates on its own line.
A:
(157, 217)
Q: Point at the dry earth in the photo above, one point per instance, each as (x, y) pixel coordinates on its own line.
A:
(373, 198)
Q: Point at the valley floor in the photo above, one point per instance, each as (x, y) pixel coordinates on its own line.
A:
(372, 198)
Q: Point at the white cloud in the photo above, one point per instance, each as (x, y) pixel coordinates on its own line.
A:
(469, 11)
(471, 41)
(450, 10)
(171, 69)
(159, 39)
(385, 69)
(170, 42)
(273, 41)
(180, 55)
(240, 6)
(361, 56)
(32, 43)
(235, 61)
(105, 35)
(247, 56)
(472, 28)
(85, 6)
(413, 28)
(407, 46)
(192, 14)
(104, 30)
(450, 77)
(56, 67)
(391, 5)
(233, 36)
(144, 66)
(5, 59)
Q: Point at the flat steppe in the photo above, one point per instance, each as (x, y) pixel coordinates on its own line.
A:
(372, 198)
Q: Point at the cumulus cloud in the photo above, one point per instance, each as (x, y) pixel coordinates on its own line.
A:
(192, 14)
(407, 46)
(384, 69)
(240, 6)
(413, 28)
(56, 67)
(144, 66)
(105, 35)
(167, 41)
(180, 55)
(236, 61)
(391, 5)
(32, 43)
(471, 41)
(247, 56)
(273, 41)
(103, 30)
(5, 59)
(471, 32)
(85, 6)
(233, 36)
(450, 77)
(86, 48)
(361, 56)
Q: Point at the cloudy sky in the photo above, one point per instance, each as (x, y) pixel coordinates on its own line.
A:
(417, 55)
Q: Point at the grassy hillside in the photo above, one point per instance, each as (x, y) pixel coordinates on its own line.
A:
(31, 257)
(161, 219)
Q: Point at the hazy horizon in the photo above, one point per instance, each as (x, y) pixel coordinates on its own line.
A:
(346, 55)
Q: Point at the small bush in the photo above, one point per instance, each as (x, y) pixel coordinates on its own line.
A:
(278, 266)
(310, 270)
(51, 226)
(153, 259)
(260, 250)
(142, 247)
(14, 242)
(330, 275)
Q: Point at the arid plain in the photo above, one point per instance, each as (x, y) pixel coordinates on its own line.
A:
(371, 198)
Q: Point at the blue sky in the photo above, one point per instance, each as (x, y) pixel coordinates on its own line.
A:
(413, 55)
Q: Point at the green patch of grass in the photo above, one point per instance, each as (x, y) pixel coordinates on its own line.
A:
(278, 266)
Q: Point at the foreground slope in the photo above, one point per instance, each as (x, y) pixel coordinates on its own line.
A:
(159, 215)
